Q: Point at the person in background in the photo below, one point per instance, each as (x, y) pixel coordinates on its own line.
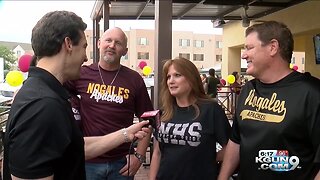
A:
(42, 140)
(277, 125)
(213, 83)
(110, 96)
(203, 78)
(243, 79)
(236, 86)
(204, 82)
(33, 61)
(235, 89)
(191, 124)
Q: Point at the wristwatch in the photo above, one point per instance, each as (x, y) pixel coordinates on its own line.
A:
(140, 157)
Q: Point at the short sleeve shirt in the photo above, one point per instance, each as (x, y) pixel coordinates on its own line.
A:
(188, 145)
(41, 136)
(278, 128)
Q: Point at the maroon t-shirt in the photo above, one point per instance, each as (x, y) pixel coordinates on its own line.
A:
(106, 108)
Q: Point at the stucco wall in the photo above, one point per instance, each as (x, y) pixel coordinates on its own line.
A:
(302, 19)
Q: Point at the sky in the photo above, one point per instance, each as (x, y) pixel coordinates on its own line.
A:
(18, 17)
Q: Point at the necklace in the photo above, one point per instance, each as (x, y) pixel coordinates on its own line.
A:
(114, 78)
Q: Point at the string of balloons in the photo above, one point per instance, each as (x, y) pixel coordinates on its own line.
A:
(15, 78)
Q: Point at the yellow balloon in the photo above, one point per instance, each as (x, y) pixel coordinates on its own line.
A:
(147, 70)
(14, 78)
(291, 66)
(231, 79)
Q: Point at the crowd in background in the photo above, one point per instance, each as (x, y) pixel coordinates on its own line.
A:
(216, 82)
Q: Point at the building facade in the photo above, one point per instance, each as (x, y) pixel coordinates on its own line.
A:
(18, 48)
(204, 50)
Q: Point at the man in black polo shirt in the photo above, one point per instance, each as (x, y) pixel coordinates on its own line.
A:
(42, 140)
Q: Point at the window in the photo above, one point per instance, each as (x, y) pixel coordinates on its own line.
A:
(198, 57)
(302, 60)
(293, 60)
(198, 43)
(184, 42)
(185, 55)
(143, 55)
(218, 44)
(143, 41)
(18, 53)
(219, 58)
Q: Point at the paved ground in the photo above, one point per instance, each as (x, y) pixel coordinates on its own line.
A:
(143, 172)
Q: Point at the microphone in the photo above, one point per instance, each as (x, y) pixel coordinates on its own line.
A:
(153, 117)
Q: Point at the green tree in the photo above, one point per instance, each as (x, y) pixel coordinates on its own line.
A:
(8, 56)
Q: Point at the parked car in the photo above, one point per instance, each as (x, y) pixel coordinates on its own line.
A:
(8, 91)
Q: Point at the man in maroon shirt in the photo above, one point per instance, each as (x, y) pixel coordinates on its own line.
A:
(111, 94)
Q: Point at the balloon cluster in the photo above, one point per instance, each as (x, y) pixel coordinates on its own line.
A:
(294, 67)
(146, 70)
(15, 78)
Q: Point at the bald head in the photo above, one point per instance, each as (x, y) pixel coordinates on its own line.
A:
(113, 45)
(117, 32)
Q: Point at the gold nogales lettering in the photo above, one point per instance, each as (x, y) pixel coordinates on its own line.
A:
(108, 89)
(260, 103)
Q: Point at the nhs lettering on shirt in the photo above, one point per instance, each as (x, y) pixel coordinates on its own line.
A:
(107, 93)
(180, 134)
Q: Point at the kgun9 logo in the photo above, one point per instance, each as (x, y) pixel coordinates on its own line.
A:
(277, 160)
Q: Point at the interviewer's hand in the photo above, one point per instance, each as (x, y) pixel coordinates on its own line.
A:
(137, 131)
